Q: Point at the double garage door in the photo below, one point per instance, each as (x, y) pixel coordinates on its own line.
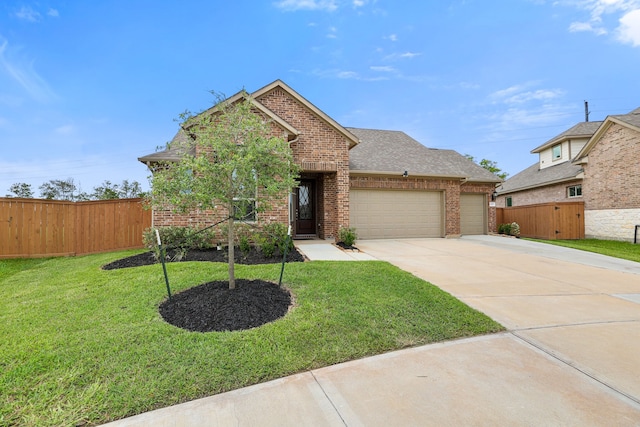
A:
(380, 214)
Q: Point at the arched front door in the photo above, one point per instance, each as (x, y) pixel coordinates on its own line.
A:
(306, 208)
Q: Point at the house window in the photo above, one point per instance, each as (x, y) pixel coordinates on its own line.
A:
(509, 202)
(244, 205)
(574, 191)
(556, 152)
(244, 209)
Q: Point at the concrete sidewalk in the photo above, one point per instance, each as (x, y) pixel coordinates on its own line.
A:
(325, 250)
(569, 357)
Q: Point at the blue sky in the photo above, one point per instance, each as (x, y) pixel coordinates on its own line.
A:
(88, 87)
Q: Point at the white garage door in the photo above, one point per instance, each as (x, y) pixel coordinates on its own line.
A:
(379, 214)
(472, 214)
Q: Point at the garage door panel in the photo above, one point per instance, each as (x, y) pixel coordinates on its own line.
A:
(472, 214)
(396, 214)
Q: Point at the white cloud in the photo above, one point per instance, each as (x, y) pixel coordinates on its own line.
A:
(24, 74)
(293, 5)
(392, 37)
(629, 29)
(358, 3)
(383, 68)
(576, 27)
(53, 12)
(333, 33)
(65, 130)
(28, 14)
(405, 55)
(520, 94)
(627, 13)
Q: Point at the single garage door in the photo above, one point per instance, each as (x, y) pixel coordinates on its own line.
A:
(379, 214)
(472, 214)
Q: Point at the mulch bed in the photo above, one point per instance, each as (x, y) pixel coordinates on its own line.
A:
(213, 306)
(251, 258)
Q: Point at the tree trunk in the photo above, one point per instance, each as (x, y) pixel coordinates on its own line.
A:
(232, 276)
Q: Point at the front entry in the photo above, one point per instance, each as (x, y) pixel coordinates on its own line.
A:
(306, 209)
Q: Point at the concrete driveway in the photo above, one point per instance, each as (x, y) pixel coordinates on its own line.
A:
(580, 310)
(570, 356)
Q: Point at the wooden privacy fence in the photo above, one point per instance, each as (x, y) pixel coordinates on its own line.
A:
(549, 221)
(31, 228)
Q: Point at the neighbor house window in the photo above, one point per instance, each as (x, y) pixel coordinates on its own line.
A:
(574, 191)
(509, 201)
(556, 152)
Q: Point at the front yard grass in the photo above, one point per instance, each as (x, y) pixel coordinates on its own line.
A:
(83, 346)
(624, 250)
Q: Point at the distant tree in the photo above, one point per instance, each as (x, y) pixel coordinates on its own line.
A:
(57, 189)
(106, 191)
(130, 190)
(125, 190)
(20, 189)
(489, 165)
(241, 167)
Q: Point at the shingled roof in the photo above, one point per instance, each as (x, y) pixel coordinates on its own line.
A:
(389, 152)
(533, 177)
(581, 130)
(178, 146)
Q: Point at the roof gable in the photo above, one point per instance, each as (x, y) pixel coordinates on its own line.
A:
(353, 140)
(630, 120)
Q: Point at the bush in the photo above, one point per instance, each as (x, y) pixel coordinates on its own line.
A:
(504, 229)
(179, 238)
(512, 229)
(347, 235)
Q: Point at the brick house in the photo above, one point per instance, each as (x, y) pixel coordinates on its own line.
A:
(384, 183)
(590, 162)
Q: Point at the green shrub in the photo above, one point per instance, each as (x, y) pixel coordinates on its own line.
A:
(277, 232)
(515, 229)
(504, 229)
(347, 235)
(244, 244)
(180, 238)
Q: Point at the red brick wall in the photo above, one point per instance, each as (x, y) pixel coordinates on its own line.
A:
(547, 194)
(319, 148)
(612, 176)
(451, 188)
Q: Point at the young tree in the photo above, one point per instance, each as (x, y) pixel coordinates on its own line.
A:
(489, 165)
(106, 191)
(21, 189)
(238, 166)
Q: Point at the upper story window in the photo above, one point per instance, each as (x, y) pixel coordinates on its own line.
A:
(556, 152)
(509, 201)
(574, 191)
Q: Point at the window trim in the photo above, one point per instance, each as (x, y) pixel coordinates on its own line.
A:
(576, 188)
(555, 157)
(508, 201)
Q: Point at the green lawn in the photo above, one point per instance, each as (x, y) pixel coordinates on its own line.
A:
(624, 250)
(79, 345)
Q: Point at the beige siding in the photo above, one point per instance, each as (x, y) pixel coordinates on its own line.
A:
(396, 214)
(473, 214)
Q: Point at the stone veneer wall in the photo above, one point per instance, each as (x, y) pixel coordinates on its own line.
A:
(451, 189)
(612, 185)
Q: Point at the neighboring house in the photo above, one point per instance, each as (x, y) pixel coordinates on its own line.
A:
(594, 162)
(383, 183)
